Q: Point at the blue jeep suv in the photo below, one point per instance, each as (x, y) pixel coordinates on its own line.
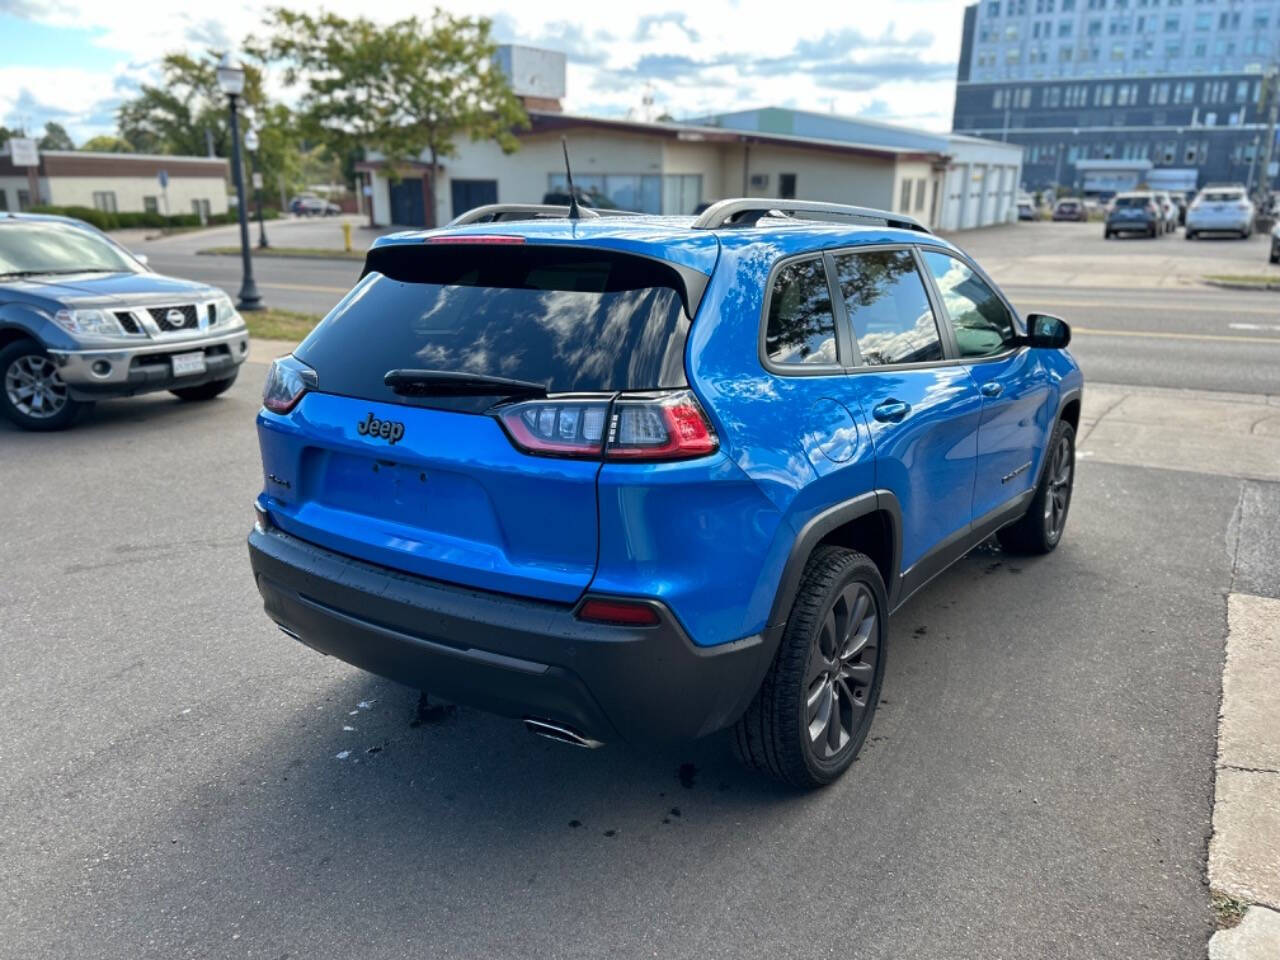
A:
(651, 477)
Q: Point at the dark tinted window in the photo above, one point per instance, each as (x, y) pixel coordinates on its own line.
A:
(572, 320)
(888, 307)
(982, 323)
(801, 328)
(1133, 201)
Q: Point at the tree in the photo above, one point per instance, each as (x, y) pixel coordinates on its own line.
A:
(407, 90)
(106, 143)
(174, 116)
(56, 137)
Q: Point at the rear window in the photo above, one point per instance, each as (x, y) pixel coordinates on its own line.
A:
(1133, 201)
(573, 319)
(1224, 196)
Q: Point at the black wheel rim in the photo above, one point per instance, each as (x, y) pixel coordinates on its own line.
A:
(1058, 496)
(842, 668)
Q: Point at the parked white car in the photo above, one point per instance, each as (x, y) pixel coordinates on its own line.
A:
(1220, 210)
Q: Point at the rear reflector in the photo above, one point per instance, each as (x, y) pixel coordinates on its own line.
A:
(626, 612)
(476, 238)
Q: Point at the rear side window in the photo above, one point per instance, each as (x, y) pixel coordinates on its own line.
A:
(570, 319)
(888, 307)
(801, 330)
(982, 323)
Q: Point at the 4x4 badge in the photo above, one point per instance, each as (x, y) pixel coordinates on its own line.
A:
(388, 430)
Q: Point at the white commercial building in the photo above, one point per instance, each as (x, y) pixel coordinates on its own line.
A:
(672, 168)
(116, 182)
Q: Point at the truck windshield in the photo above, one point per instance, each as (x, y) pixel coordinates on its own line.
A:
(34, 247)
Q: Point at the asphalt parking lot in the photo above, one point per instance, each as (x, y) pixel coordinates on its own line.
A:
(182, 780)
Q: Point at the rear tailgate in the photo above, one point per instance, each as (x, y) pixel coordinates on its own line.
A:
(432, 484)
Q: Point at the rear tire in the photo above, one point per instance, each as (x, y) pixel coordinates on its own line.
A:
(1189, 234)
(32, 394)
(206, 391)
(1040, 529)
(813, 710)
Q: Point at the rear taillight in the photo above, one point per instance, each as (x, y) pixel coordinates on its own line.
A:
(669, 425)
(287, 380)
(563, 427)
(661, 427)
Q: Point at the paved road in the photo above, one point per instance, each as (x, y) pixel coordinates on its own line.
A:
(1176, 335)
(1037, 783)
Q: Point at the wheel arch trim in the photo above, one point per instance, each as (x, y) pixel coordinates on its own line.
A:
(818, 527)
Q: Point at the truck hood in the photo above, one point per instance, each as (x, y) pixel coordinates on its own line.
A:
(112, 289)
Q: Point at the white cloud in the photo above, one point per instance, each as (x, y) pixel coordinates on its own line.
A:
(844, 58)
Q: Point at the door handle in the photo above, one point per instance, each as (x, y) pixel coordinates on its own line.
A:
(992, 389)
(891, 411)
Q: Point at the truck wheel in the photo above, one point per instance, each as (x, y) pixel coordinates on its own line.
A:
(32, 394)
(1040, 528)
(814, 708)
(206, 391)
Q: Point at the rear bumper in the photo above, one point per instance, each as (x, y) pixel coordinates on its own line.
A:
(1135, 223)
(506, 655)
(1223, 222)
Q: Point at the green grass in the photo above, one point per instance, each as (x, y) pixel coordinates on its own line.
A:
(1261, 280)
(310, 253)
(274, 324)
(1227, 910)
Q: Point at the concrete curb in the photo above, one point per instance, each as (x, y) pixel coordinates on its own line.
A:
(1244, 852)
(1227, 285)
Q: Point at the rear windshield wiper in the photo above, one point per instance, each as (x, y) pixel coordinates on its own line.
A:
(449, 383)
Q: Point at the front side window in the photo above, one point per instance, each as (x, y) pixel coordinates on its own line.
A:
(888, 307)
(801, 329)
(982, 323)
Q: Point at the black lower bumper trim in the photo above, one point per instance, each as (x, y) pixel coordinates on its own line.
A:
(507, 655)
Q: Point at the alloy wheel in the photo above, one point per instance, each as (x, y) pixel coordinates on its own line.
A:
(842, 668)
(34, 387)
(1059, 494)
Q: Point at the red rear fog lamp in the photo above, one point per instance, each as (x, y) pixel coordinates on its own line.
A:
(631, 613)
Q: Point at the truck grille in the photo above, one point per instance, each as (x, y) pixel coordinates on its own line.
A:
(161, 315)
(127, 323)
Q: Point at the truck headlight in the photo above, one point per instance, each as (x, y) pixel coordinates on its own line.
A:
(92, 322)
(224, 310)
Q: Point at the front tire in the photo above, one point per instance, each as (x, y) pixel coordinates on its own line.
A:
(32, 394)
(814, 708)
(1040, 529)
(206, 391)
(1189, 234)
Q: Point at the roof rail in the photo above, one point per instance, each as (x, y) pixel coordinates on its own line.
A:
(493, 212)
(745, 211)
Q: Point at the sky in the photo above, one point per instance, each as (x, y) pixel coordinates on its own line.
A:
(74, 61)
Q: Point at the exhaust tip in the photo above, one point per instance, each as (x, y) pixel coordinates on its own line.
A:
(559, 733)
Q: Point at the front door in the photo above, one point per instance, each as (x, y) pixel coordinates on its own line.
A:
(1014, 384)
(922, 412)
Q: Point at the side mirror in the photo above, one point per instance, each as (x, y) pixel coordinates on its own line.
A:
(142, 258)
(1047, 332)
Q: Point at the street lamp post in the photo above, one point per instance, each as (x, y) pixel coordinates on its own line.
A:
(231, 82)
(251, 144)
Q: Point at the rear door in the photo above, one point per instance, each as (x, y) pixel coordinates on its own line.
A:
(434, 484)
(1013, 381)
(922, 410)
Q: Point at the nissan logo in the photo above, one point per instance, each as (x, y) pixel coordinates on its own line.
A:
(175, 317)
